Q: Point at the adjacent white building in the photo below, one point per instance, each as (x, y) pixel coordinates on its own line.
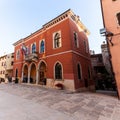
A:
(6, 67)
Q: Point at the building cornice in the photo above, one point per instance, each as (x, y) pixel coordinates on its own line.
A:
(3, 56)
(67, 14)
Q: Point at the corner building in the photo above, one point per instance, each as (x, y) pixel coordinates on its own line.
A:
(111, 20)
(56, 53)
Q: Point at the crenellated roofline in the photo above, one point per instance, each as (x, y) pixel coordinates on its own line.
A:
(57, 19)
(66, 15)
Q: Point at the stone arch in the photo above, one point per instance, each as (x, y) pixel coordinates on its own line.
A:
(32, 73)
(25, 73)
(59, 70)
(42, 70)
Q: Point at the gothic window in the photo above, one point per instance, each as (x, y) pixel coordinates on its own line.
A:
(42, 46)
(79, 71)
(58, 71)
(57, 40)
(76, 39)
(33, 48)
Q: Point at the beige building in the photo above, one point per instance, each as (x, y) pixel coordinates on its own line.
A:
(9, 66)
(105, 56)
(2, 67)
(6, 67)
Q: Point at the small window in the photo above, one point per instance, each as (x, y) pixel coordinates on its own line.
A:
(33, 48)
(86, 47)
(73, 17)
(57, 39)
(12, 56)
(42, 46)
(76, 39)
(12, 63)
(118, 18)
(79, 71)
(58, 71)
(2, 63)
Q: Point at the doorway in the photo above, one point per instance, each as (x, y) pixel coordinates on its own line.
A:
(25, 74)
(42, 74)
(33, 74)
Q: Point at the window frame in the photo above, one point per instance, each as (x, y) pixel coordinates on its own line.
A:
(79, 72)
(32, 48)
(43, 40)
(60, 40)
(76, 42)
(61, 73)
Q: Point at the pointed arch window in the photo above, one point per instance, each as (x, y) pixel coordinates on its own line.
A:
(33, 48)
(42, 46)
(58, 71)
(57, 39)
(79, 71)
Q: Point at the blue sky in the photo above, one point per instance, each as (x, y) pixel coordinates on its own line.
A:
(20, 18)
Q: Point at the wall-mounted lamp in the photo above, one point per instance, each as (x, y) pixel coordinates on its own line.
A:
(108, 35)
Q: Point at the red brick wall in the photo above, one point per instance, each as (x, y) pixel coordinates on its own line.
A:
(64, 55)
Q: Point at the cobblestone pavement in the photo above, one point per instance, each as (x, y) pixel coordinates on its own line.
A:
(80, 106)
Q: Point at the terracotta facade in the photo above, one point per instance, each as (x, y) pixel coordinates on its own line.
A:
(56, 53)
(111, 19)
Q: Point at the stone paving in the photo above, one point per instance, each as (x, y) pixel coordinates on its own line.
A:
(80, 106)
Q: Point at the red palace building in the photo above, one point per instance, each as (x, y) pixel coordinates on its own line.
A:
(55, 55)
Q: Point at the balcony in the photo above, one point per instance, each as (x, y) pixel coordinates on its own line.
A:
(31, 57)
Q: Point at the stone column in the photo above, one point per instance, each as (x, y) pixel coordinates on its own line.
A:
(37, 76)
(28, 76)
(22, 76)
